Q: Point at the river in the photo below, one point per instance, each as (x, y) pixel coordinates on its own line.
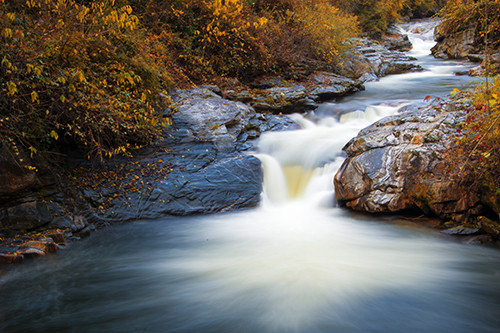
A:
(297, 263)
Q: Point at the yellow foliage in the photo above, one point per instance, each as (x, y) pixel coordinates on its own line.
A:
(82, 71)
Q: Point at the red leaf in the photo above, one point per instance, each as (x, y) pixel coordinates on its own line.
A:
(428, 97)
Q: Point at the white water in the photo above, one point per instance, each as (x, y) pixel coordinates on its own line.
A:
(295, 264)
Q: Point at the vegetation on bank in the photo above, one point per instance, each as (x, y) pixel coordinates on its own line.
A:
(479, 146)
(482, 16)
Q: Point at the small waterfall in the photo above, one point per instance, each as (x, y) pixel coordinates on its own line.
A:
(421, 35)
(299, 165)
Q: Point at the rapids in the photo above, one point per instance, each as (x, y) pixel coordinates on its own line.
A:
(297, 263)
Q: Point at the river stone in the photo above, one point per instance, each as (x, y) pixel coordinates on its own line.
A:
(455, 46)
(296, 97)
(25, 216)
(74, 223)
(396, 41)
(396, 164)
(218, 184)
(367, 56)
(211, 118)
(194, 170)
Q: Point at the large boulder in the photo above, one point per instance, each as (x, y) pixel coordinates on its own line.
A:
(397, 164)
(458, 45)
(208, 117)
(14, 177)
(287, 97)
(366, 58)
(467, 44)
(200, 167)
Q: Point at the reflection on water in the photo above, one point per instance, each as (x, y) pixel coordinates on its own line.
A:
(295, 264)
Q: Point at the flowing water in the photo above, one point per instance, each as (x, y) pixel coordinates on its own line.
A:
(295, 264)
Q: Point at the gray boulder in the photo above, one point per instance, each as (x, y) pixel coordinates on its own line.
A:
(200, 167)
(368, 56)
(289, 98)
(458, 45)
(396, 165)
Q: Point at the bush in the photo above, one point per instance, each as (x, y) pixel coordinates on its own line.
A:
(78, 72)
(376, 16)
(481, 131)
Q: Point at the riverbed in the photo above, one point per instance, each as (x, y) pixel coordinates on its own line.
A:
(297, 263)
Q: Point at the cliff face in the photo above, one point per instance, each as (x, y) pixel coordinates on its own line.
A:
(402, 163)
(465, 44)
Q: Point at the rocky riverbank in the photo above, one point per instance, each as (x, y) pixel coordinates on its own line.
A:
(404, 163)
(467, 44)
(200, 166)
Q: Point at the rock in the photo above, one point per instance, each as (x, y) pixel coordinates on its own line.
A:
(57, 237)
(14, 178)
(460, 231)
(31, 252)
(396, 42)
(396, 165)
(479, 240)
(455, 46)
(224, 184)
(367, 56)
(289, 98)
(285, 99)
(194, 170)
(489, 226)
(25, 216)
(74, 223)
(211, 118)
(47, 246)
(9, 258)
(328, 86)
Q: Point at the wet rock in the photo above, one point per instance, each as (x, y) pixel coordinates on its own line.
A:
(396, 164)
(367, 56)
(14, 178)
(210, 118)
(396, 42)
(479, 240)
(456, 46)
(328, 86)
(74, 223)
(57, 237)
(296, 97)
(194, 170)
(25, 216)
(489, 226)
(31, 252)
(461, 231)
(10, 258)
(46, 245)
(285, 99)
(466, 44)
(224, 184)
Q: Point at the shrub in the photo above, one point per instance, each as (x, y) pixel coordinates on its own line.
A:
(78, 72)
(481, 131)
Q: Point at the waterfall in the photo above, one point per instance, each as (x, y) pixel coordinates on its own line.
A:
(300, 164)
